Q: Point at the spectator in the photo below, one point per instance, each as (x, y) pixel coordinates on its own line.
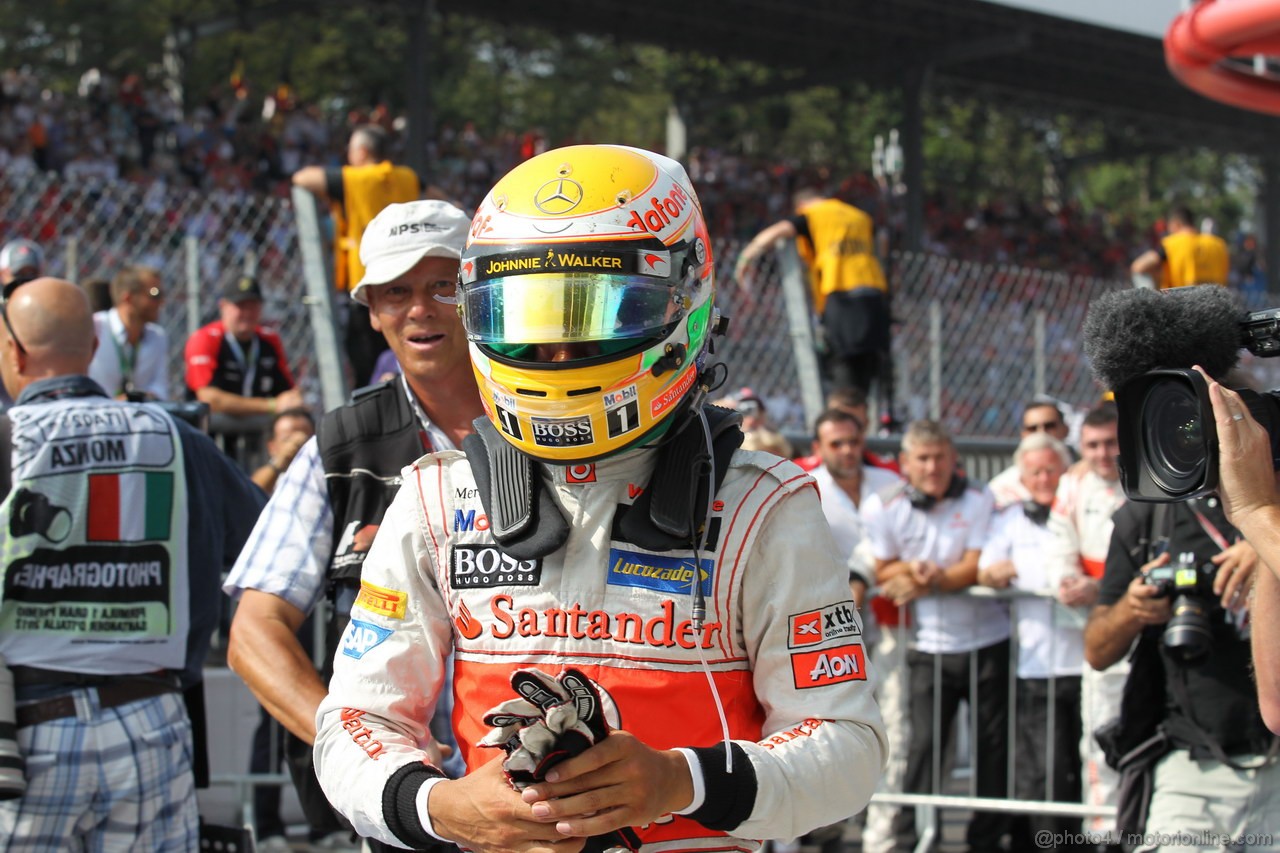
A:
(1088, 495)
(290, 430)
(926, 537)
(845, 484)
(132, 359)
(237, 366)
(101, 721)
(20, 262)
(848, 286)
(1050, 644)
(583, 560)
(854, 402)
(1042, 414)
(356, 194)
(1187, 256)
(317, 529)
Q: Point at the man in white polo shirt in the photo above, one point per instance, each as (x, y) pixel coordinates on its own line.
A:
(845, 483)
(926, 537)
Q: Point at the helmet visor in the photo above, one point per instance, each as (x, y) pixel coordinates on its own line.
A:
(568, 307)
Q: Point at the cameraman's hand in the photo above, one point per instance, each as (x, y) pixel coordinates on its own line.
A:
(1140, 599)
(1235, 574)
(1244, 456)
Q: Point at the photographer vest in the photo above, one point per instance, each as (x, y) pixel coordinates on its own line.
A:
(363, 447)
(94, 557)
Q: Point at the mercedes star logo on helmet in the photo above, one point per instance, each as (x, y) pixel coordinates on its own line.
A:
(558, 196)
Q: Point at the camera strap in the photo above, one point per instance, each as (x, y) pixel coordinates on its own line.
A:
(1210, 530)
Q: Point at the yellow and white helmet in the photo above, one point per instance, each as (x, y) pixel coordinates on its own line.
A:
(588, 298)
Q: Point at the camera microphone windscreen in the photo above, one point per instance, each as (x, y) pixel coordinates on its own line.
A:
(1130, 332)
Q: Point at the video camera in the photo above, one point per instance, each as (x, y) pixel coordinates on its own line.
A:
(1188, 634)
(1167, 434)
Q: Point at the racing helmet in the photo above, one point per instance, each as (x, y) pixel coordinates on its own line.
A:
(587, 293)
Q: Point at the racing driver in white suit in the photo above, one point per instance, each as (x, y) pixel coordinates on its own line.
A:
(722, 704)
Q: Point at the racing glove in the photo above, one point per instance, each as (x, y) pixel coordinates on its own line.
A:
(556, 718)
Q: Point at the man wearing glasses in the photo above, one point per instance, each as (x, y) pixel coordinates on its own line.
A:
(1042, 414)
(132, 361)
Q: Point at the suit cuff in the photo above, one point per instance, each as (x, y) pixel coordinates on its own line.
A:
(699, 784)
(424, 817)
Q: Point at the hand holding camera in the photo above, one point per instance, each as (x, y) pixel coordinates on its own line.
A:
(1144, 600)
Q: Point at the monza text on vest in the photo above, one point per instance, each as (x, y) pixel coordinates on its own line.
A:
(70, 453)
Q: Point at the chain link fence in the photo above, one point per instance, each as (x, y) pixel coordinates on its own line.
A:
(972, 342)
(199, 240)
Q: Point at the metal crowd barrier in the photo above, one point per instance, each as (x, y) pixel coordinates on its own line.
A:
(965, 741)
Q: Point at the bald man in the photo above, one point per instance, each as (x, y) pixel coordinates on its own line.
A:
(120, 520)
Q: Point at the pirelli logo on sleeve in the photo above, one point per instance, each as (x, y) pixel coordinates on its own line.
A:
(382, 601)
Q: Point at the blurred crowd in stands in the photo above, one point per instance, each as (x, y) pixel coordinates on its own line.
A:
(132, 129)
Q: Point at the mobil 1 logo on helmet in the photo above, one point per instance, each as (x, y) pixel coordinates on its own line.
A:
(562, 432)
(622, 410)
(473, 566)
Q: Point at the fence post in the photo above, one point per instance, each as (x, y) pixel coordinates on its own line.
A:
(315, 270)
(191, 252)
(795, 291)
(1041, 343)
(935, 360)
(72, 257)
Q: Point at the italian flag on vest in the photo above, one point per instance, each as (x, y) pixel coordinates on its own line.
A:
(130, 507)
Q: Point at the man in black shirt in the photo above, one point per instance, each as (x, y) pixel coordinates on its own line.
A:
(1219, 769)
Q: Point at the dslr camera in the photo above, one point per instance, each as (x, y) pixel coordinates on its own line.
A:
(1167, 434)
(1188, 634)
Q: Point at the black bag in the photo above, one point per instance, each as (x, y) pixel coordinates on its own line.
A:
(1142, 704)
(1137, 783)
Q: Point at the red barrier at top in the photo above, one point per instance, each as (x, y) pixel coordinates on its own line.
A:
(1200, 38)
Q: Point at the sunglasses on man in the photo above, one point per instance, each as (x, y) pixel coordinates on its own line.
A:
(4, 308)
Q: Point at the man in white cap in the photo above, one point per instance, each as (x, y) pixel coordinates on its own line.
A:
(312, 538)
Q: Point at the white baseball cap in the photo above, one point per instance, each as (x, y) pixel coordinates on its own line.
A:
(403, 234)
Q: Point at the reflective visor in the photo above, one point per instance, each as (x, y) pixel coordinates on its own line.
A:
(565, 307)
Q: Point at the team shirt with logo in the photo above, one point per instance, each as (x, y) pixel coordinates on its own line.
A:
(944, 623)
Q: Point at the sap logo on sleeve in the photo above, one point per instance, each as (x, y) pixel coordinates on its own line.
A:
(361, 637)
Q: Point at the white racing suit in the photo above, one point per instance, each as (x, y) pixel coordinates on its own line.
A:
(781, 637)
(1081, 523)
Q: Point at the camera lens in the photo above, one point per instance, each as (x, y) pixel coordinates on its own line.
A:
(1173, 436)
(1188, 634)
